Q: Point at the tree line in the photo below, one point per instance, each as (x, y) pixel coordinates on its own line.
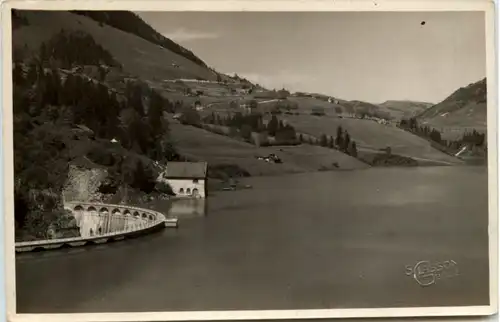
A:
(246, 124)
(243, 125)
(75, 48)
(425, 131)
(472, 138)
(342, 142)
(80, 100)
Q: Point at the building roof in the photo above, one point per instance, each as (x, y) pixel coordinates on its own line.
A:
(191, 170)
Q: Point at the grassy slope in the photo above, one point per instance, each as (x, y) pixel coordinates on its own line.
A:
(369, 134)
(405, 109)
(465, 108)
(307, 104)
(131, 22)
(217, 149)
(139, 57)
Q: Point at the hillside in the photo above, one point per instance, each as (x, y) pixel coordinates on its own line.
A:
(139, 57)
(219, 150)
(463, 110)
(130, 22)
(405, 109)
(369, 135)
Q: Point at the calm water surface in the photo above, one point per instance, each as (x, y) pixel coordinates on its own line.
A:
(322, 240)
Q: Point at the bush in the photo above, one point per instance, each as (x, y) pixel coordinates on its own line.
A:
(143, 178)
(318, 111)
(225, 171)
(190, 117)
(38, 210)
(165, 188)
(101, 156)
(246, 132)
(392, 160)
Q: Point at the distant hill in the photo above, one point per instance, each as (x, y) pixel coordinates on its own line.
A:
(405, 109)
(464, 108)
(367, 109)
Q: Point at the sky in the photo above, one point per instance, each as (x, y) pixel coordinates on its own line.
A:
(369, 56)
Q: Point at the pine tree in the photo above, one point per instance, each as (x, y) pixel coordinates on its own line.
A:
(339, 141)
(353, 151)
(331, 142)
(32, 74)
(139, 175)
(102, 73)
(155, 115)
(323, 140)
(18, 75)
(272, 126)
(346, 142)
(43, 54)
(134, 97)
(69, 89)
(57, 92)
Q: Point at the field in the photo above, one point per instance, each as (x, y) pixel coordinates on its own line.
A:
(405, 109)
(455, 124)
(369, 134)
(218, 149)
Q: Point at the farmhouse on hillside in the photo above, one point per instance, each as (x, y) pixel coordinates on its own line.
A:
(332, 101)
(198, 106)
(187, 179)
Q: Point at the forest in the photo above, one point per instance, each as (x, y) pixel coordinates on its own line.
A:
(52, 105)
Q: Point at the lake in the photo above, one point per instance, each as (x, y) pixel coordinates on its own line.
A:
(322, 240)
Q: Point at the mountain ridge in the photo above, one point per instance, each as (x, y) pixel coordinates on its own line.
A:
(465, 107)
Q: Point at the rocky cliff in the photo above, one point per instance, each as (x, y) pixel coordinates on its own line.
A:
(84, 184)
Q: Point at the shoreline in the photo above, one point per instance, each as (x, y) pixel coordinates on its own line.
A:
(221, 184)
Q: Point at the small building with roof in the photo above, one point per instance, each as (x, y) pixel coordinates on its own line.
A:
(187, 179)
(198, 106)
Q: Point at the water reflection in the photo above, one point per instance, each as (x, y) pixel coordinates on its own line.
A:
(181, 208)
(188, 208)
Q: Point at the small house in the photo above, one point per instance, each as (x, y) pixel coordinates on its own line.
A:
(198, 106)
(333, 101)
(187, 179)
